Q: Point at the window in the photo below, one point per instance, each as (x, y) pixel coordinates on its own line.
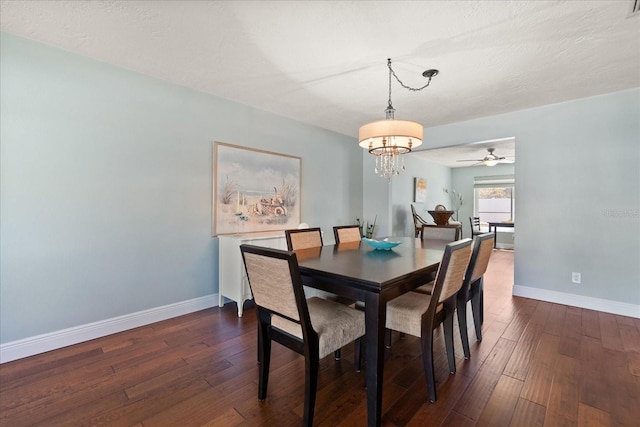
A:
(494, 198)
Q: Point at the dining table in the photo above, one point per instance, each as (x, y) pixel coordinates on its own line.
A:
(360, 272)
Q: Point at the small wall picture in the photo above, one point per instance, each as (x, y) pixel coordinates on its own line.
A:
(419, 190)
(254, 190)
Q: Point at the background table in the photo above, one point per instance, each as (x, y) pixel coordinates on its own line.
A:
(495, 226)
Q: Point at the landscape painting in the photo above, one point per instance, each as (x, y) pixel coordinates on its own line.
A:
(254, 190)
(419, 190)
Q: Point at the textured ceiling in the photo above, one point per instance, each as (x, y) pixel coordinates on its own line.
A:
(324, 63)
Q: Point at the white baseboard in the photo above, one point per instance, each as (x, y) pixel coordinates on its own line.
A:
(505, 245)
(53, 340)
(607, 306)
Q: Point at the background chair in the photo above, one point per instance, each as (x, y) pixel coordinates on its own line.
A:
(472, 288)
(347, 233)
(474, 222)
(449, 233)
(303, 238)
(419, 314)
(313, 328)
(418, 221)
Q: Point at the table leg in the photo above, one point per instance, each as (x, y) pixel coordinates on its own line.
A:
(495, 235)
(375, 319)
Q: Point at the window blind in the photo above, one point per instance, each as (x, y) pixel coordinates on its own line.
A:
(493, 181)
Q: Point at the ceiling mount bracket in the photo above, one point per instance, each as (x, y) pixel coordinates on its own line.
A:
(430, 73)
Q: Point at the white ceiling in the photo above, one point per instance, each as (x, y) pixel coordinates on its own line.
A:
(324, 62)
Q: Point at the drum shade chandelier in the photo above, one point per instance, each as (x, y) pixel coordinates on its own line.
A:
(388, 139)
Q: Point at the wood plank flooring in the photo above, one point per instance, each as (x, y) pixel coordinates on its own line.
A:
(539, 364)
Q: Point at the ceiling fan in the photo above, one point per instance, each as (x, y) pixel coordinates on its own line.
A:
(490, 159)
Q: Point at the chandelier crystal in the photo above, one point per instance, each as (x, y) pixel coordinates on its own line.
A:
(389, 139)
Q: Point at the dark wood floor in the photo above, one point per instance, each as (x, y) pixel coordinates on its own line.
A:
(539, 364)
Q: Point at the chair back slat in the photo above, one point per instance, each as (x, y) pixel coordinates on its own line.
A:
(344, 234)
(483, 247)
(303, 239)
(451, 272)
(271, 282)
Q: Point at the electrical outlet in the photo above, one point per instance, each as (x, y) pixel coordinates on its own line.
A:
(576, 277)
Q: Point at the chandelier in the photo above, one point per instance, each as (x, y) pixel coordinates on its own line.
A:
(388, 139)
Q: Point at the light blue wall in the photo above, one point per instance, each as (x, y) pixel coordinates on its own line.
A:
(106, 186)
(578, 192)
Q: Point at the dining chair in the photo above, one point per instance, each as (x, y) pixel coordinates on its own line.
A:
(449, 233)
(347, 233)
(419, 314)
(307, 238)
(474, 222)
(472, 288)
(313, 328)
(303, 238)
(418, 221)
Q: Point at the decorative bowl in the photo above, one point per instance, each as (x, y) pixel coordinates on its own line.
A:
(383, 245)
(441, 217)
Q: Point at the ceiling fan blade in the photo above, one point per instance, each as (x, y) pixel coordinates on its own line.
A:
(469, 160)
(503, 160)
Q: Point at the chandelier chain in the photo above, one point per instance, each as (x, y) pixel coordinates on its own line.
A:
(414, 89)
(390, 71)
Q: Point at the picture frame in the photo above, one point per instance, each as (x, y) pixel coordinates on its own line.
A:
(254, 190)
(419, 190)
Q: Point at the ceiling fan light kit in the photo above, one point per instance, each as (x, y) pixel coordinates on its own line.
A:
(490, 159)
(388, 139)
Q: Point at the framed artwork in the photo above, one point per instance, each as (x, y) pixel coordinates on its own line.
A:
(254, 190)
(419, 190)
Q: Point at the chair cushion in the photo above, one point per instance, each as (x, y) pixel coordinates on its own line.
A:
(336, 325)
(425, 289)
(404, 313)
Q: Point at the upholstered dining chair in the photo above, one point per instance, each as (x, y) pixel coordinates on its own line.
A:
(419, 314)
(472, 288)
(447, 233)
(303, 238)
(474, 222)
(313, 328)
(450, 233)
(346, 233)
(308, 238)
(418, 221)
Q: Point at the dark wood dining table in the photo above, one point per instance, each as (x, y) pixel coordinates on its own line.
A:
(358, 271)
